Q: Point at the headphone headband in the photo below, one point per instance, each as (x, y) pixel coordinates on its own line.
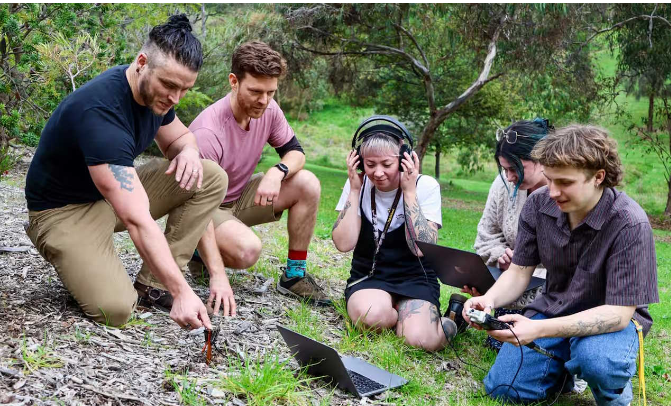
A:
(399, 131)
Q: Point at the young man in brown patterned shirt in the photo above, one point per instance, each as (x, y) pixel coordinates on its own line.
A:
(597, 245)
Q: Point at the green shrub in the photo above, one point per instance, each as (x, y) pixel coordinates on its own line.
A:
(30, 138)
(7, 160)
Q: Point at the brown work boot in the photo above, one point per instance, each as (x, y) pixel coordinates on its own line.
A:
(303, 288)
(149, 296)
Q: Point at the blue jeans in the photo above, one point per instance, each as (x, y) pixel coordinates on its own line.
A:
(606, 361)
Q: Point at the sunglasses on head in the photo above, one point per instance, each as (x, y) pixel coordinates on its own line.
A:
(510, 135)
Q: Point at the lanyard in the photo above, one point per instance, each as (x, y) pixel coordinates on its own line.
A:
(380, 239)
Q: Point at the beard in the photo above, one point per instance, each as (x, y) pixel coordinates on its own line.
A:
(249, 108)
(148, 98)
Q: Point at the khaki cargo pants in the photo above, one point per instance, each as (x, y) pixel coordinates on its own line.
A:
(77, 239)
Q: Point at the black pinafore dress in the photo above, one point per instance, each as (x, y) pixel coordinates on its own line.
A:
(397, 270)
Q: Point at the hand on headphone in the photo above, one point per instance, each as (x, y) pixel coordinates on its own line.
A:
(410, 164)
(355, 177)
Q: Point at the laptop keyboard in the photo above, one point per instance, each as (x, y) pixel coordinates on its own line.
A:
(363, 384)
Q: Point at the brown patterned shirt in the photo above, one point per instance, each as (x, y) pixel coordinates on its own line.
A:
(609, 259)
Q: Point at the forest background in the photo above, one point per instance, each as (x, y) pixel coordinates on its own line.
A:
(451, 72)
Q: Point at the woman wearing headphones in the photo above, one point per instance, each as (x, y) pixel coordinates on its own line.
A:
(383, 211)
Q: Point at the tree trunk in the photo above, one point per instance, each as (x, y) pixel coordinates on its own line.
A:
(438, 116)
(651, 110)
(427, 136)
(437, 169)
(203, 17)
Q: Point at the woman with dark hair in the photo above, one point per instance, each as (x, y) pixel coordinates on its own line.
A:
(519, 176)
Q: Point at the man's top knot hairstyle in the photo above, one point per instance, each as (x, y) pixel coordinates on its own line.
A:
(174, 38)
(584, 147)
(258, 59)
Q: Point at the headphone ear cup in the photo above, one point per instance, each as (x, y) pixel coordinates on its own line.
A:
(404, 148)
(360, 165)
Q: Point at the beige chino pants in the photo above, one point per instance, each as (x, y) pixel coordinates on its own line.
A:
(77, 239)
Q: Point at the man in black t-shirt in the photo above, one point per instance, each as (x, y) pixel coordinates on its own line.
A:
(82, 186)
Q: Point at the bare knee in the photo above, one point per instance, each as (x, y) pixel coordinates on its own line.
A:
(310, 187)
(373, 316)
(427, 340)
(250, 252)
(244, 253)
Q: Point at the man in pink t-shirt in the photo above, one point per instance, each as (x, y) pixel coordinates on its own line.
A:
(233, 132)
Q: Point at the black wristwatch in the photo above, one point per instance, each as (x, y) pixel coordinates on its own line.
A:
(283, 168)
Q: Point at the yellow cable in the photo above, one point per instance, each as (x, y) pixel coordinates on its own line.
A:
(641, 364)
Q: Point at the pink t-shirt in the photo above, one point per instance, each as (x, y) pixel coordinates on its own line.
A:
(221, 140)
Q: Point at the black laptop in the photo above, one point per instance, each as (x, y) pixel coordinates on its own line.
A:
(349, 373)
(458, 268)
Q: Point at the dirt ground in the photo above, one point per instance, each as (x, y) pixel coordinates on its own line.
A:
(95, 364)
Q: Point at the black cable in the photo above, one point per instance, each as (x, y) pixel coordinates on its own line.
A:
(560, 389)
(519, 368)
(462, 361)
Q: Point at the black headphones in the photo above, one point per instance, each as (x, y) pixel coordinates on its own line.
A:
(399, 132)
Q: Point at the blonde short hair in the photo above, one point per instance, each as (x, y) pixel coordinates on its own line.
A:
(584, 147)
(379, 142)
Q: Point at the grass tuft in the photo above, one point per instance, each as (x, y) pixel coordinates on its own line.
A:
(267, 381)
(38, 356)
(187, 389)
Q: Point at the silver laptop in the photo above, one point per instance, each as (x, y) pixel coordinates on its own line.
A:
(349, 373)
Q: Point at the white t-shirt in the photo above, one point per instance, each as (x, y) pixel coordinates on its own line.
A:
(428, 196)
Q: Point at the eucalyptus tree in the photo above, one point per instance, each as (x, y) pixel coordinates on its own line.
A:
(643, 50)
(427, 61)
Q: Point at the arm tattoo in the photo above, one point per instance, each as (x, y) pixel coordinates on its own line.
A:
(123, 175)
(434, 313)
(600, 324)
(342, 215)
(418, 227)
(408, 307)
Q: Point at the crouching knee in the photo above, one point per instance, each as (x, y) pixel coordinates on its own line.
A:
(603, 371)
(245, 255)
(310, 186)
(113, 312)
(426, 340)
(373, 317)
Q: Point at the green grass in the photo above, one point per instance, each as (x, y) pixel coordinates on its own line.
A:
(266, 380)
(38, 356)
(188, 391)
(304, 319)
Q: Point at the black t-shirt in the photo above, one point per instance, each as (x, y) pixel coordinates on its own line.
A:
(99, 123)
